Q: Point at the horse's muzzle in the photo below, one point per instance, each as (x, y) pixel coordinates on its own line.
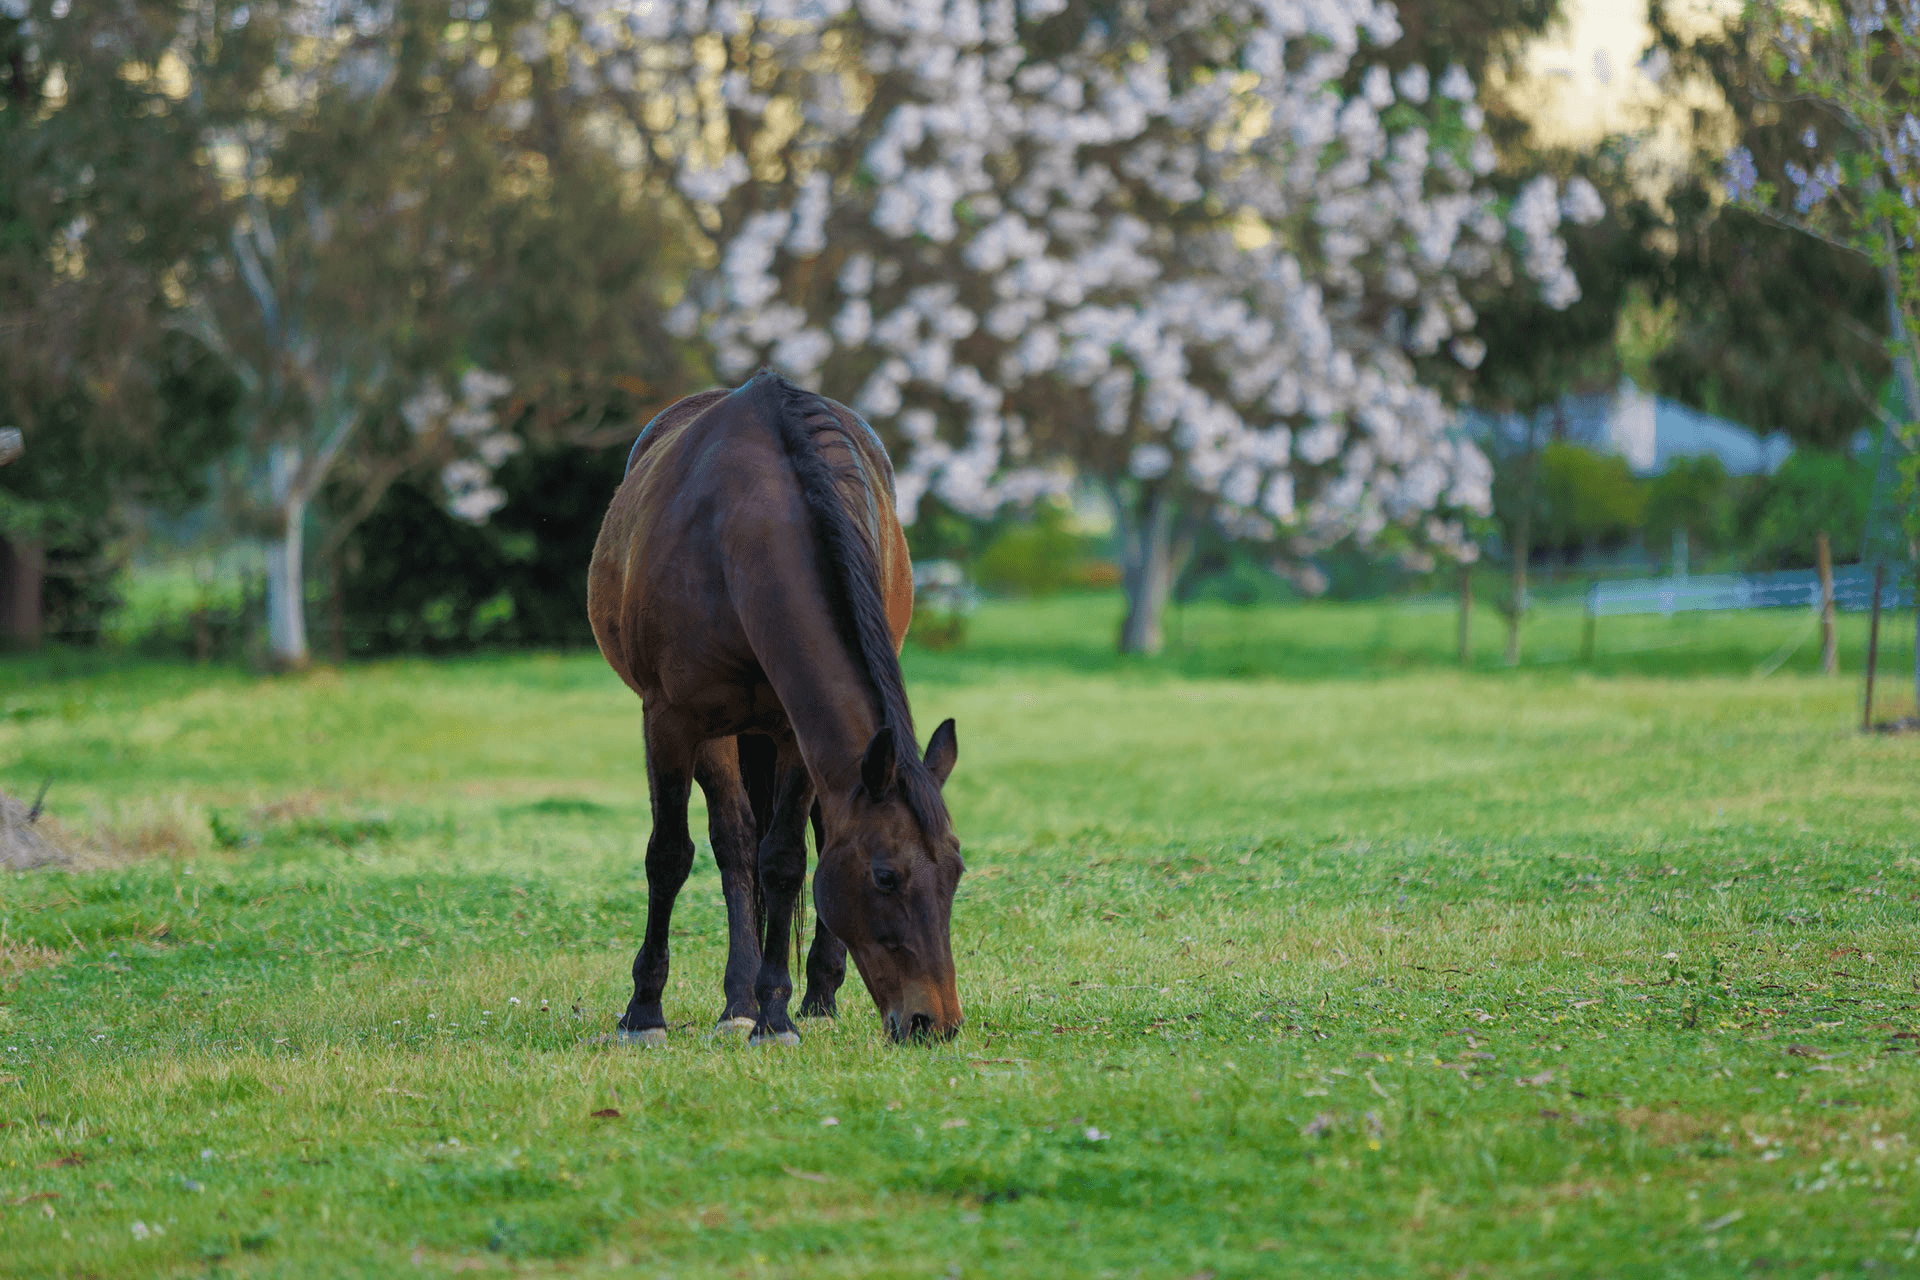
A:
(918, 1028)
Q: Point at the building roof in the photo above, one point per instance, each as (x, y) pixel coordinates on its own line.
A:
(1649, 431)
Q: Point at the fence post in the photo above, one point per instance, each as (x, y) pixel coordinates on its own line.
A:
(1873, 646)
(1466, 615)
(1592, 620)
(1829, 656)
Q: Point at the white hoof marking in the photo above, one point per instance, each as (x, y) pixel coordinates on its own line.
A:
(732, 1026)
(788, 1038)
(649, 1037)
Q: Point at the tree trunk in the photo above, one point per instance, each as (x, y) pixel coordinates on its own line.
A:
(286, 582)
(1829, 654)
(22, 572)
(1155, 542)
(1523, 537)
(1466, 615)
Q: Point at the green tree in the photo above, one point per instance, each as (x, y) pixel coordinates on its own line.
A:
(1773, 328)
(1694, 499)
(422, 264)
(101, 200)
(1587, 499)
(1813, 492)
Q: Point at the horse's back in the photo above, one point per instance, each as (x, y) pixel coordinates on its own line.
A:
(710, 497)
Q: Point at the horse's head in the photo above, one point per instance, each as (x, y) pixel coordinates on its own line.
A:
(885, 887)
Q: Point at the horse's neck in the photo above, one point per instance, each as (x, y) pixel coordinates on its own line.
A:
(820, 679)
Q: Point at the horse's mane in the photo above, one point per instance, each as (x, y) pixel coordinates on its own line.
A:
(853, 562)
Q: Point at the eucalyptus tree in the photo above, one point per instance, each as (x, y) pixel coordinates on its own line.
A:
(1196, 254)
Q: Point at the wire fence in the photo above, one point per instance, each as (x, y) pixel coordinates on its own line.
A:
(1731, 592)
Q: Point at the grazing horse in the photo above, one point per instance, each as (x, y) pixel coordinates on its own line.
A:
(751, 584)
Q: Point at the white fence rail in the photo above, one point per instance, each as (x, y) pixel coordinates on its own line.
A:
(1799, 588)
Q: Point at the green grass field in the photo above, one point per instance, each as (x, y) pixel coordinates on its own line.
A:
(1297, 952)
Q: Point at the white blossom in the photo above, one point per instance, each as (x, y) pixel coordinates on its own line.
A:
(1016, 262)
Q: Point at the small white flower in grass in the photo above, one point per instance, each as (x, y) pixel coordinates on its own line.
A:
(1671, 955)
(828, 1122)
(1094, 1135)
(141, 1230)
(206, 1153)
(513, 999)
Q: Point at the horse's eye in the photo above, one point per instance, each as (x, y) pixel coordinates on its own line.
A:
(886, 879)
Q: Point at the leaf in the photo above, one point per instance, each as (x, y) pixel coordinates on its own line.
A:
(66, 1161)
(1318, 1125)
(606, 1113)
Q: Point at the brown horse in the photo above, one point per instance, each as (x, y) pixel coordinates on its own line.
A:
(751, 584)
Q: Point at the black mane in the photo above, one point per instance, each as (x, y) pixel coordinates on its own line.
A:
(854, 562)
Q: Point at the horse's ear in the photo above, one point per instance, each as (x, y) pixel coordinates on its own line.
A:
(943, 751)
(878, 766)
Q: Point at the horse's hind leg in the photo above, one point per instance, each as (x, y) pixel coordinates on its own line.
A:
(670, 759)
(718, 769)
(826, 959)
(783, 869)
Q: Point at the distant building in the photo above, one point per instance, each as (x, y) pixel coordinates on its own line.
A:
(1649, 431)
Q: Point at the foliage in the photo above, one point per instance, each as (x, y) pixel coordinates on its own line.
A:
(1537, 353)
(1038, 554)
(101, 201)
(377, 217)
(1812, 493)
(1586, 498)
(1857, 184)
(1251, 934)
(418, 579)
(1697, 497)
(1775, 329)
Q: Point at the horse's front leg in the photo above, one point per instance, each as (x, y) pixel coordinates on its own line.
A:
(783, 869)
(670, 759)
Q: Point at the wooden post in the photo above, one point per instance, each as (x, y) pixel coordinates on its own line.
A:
(1873, 646)
(1466, 615)
(1591, 625)
(1829, 657)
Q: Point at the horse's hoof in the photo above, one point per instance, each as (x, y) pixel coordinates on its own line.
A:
(788, 1038)
(648, 1036)
(732, 1026)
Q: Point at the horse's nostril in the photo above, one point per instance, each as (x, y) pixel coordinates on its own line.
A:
(921, 1026)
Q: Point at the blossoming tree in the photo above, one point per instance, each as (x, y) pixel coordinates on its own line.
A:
(1157, 248)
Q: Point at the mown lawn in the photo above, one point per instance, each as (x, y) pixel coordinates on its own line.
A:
(1298, 952)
